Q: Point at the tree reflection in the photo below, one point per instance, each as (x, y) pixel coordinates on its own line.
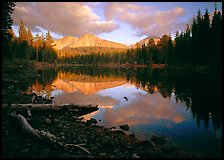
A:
(200, 91)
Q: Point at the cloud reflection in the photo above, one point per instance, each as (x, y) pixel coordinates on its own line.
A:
(145, 109)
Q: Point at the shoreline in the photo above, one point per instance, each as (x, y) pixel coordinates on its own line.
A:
(44, 65)
(70, 128)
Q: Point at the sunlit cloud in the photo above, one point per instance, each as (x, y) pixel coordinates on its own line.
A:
(66, 18)
(146, 20)
(146, 109)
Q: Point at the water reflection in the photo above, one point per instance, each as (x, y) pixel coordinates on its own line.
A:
(144, 109)
(180, 103)
(199, 92)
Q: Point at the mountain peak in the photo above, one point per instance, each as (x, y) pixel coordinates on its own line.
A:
(86, 40)
(88, 36)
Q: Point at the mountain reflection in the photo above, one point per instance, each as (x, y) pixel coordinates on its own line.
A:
(199, 91)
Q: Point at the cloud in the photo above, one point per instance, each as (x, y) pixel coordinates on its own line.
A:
(66, 18)
(146, 20)
(145, 109)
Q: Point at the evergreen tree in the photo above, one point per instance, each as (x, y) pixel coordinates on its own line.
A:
(38, 43)
(216, 32)
(170, 52)
(48, 47)
(22, 32)
(7, 10)
(151, 50)
(163, 45)
(30, 43)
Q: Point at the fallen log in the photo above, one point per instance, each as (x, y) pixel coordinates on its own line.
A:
(52, 105)
(40, 108)
(40, 136)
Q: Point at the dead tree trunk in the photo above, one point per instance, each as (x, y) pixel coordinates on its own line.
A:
(41, 136)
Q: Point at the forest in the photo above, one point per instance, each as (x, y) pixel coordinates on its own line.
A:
(198, 45)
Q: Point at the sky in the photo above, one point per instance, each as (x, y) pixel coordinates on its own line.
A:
(122, 22)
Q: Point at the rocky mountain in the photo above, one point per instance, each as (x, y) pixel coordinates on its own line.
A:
(64, 42)
(86, 40)
(145, 41)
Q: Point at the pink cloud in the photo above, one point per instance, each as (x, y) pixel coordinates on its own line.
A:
(66, 18)
(146, 20)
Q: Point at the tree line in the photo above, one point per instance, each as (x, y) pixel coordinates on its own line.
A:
(199, 45)
(27, 47)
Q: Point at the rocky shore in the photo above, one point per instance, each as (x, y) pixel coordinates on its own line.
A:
(95, 141)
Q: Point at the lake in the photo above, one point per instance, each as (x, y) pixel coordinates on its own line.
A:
(184, 105)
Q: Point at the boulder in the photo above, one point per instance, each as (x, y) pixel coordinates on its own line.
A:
(124, 127)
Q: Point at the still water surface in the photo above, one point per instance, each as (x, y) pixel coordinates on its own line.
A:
(184, 105)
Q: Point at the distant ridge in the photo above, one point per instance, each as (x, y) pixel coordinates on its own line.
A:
(87, 40)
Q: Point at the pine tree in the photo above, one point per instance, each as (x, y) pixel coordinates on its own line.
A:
(7, 10)
(170, 52)
(163, 48)
(151, 49)
(29, 37)
(48, 42)
(30, 43)
(38, 43)
(22, 32)
(216, 32)
(206, 38)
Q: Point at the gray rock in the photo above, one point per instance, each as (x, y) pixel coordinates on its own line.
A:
(135, 156)
(47, 121)
(102, 154)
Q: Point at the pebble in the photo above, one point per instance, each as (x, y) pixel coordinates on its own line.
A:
(47, 121)
(135, 156)
(25, 150)
(102, 154)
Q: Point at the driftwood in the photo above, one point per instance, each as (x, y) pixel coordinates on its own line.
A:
(46, 106)
(39, 108)
(41, 136)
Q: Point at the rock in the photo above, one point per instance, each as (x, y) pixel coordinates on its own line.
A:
(147, 144)
(118, 131)
(47, 121)
(155, 154)
(62, 133)
(124, 127)
(90, 156)
(75, 118)
(106, 140)
(102, 154)
(25, 150)
(112, 156)
(126, 98)
(91, 121)
(159, 140)
(56, 120)
(132, 136)
(169, 149)
(135, 156)
(98, 145)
